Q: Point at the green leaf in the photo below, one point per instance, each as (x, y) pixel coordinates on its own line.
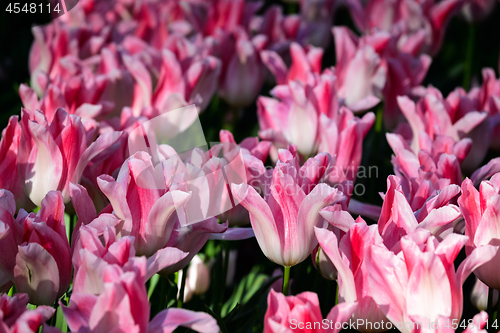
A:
(67, 222)
(61, 320)
(152, 284)
(220, 322)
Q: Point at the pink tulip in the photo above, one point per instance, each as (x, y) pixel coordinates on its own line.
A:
(123, 306)
(295, 118)
(305, 62)
(487, 98)
(421, 25)
(49, 47)
(11, 235)
(361, 73)
(348, 254)
(91, 255)
(316, 21)
(197, 279)
(242, 73)
(228, 15)
(302, 313)
(51, 155)
(284, 219)
(480, 211)
(474, 10)
(342, 137)
(308, 115)
(433, 168)
(420, 284)
(479, 296)
(148, 214)
(254, 154)
(454, 116)
(279, 29)
(80, 95)
(486, 171)
(16, 318)
(9, 146)
(140, 196)
(397, 218)
(43, 263)
(179, 84)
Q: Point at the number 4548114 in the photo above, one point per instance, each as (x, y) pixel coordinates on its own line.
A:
(31, 8)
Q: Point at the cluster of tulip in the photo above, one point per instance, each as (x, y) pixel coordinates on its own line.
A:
(104, 227)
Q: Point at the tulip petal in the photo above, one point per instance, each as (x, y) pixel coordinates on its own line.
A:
(168, 320)
(340, 313)
(262, 220)
(36, 274)
(163, 258)
(329, 245)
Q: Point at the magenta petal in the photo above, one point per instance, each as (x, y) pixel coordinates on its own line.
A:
(168, 320)
(36, 274)
(340, 313)
(162, 259)
(262, 220)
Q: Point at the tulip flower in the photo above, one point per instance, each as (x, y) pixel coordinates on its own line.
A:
(302, 313)
(9, 177)
(123, 306)
(316, 21)
(348, 254)
(434, 167)
(308, 115)
(487, 97)
(373, 65)
(197, 279)
(284, 219)
(451, 117)
(420, 284)
(280, 29)
(480, 211)
(305, 62)
(418, 24)
(78, 91)
(242, 73)
(140, 196)
(148, 214)
(228, 15)
(176, 86)
(397, 218)
(43, 263)
(51, 155)
(479, 296)
(15, 317)
(11, 235)
(91, 255)
(254, 154)
(50, 45)
(474, 11)
(486, 171)
(360, 72)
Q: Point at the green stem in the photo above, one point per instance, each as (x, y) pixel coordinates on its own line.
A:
(468, 57)
(489, 309)
(337, 294)
(379, 118)
(180, 300)
(286, 280)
